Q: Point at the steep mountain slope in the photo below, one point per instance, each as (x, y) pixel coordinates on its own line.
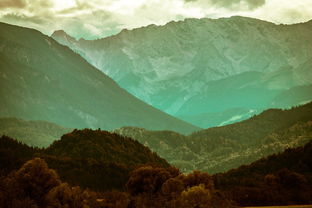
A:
(43, 80)
(221, 118)
(219, 149)
(175, 148)
(32, 133)
(293, 96)
(179, 66)
(94, 159)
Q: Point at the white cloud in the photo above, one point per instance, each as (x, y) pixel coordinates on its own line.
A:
(97, 18)
(286, 12)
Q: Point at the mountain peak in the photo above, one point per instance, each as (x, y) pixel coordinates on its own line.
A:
(62, 35)
(59, 33)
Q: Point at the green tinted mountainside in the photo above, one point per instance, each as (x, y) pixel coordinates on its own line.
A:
(32, 133)
(43, 80)
(199, 66)
(219, 149)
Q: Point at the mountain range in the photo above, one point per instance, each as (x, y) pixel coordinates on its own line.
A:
(48, 81)
(228, 69)
(219, 149)
(43, 80)
(229, 97)
(214, 150)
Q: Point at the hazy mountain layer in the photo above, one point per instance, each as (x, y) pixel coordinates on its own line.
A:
(32, 133)
(43, 80)
(200, 66)
(221, 148)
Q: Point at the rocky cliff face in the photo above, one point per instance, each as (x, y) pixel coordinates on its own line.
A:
(177, 67)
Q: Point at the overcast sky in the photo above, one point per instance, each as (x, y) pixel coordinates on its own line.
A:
(92, 19)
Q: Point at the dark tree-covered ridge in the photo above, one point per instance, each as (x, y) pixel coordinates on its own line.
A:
(279, 179)
(219, 149)
(89, 158)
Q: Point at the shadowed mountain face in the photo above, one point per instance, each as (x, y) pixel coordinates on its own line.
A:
(43, 80)
(204, 66)
(219, 149)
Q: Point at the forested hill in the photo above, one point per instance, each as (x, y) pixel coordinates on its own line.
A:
(219, 149)
(103, 146)
(284, 178)
(253, 129)
(95, 159)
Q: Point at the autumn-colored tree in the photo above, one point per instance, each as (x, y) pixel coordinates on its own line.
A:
(148, 180)
(167, 188)
(114, 199)
(172, 188)
(73, 197)
(30, 184)
(196, 178)
(290, 179)
(196, 197)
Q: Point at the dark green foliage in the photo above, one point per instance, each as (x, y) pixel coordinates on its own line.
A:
(31, 182)
(166, 187)
(103, 146)
(13, 154)
(89, 173)
(149, 179)
(35, 185)
(95, 159)
(284, 178)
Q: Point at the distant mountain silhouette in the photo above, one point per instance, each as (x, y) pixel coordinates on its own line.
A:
(32, 133)
(206, 66)
(43, 80)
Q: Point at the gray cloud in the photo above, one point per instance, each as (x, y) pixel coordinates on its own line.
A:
(233, 4)
(12, 4)
(10, 17)
(93, 19)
